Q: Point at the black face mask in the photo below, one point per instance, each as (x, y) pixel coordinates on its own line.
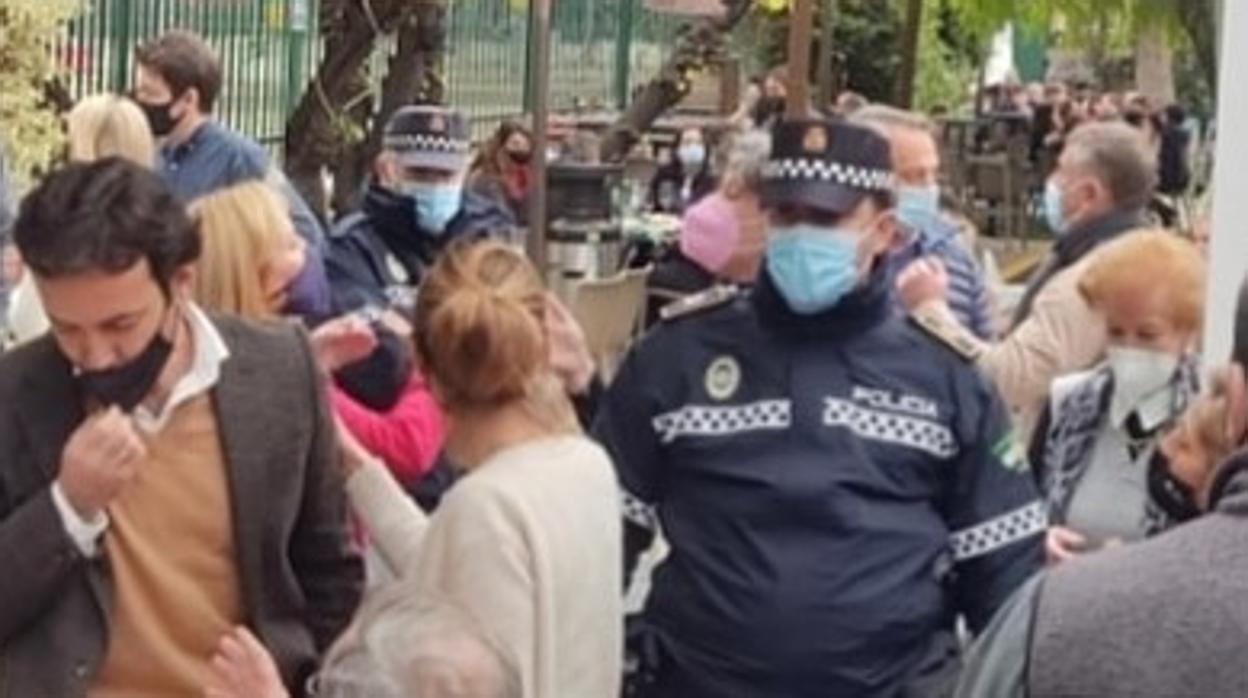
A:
(1172, 496)
(125, 386)
(160, 118)
(520, 157)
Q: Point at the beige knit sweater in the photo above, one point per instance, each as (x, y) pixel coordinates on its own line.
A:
(529, 545)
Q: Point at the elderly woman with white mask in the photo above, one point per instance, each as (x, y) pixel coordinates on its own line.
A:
(1098, 439)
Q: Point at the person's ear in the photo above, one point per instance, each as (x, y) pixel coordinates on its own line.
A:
(1237, 404)
(190, 101)
(182, 284)
(887, 233)
(384, 170)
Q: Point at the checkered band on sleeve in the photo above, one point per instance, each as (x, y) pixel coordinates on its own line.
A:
(805, 169)
(728, 420)
(437, 144)
(992, 535)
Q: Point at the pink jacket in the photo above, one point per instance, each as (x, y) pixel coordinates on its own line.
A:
(408, 437)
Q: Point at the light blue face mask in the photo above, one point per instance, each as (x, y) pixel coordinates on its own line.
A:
(435, 204)
(813, 267)
(1053, 207)
(691, 156)
(918, 208)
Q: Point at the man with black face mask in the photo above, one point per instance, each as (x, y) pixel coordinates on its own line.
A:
(177, 82)
(167, 476)
(835, 486)
(415, 206)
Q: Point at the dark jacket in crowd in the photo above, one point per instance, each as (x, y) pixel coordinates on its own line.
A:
(836, 489)
(299, 579)
(672, 279)
(1165, 617)
(668, 189)
(1175, 172)
(1072, 247)
(376, 258)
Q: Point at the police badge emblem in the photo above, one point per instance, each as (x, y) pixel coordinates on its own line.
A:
(723, 378)
(437, 124)
(816, 140)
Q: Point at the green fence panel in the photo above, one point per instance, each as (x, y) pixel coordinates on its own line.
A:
(266, 48)
(601, 50)
(597, 47)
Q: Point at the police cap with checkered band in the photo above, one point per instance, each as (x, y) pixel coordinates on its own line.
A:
(825, 165)
(428, 137)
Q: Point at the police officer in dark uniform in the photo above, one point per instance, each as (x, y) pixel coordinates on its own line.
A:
(416, 206)
(835, 485)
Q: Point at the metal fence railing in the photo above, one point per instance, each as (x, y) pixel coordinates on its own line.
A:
(269, 49)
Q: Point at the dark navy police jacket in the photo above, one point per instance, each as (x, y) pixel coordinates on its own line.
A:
(380, 253)
(835, 490)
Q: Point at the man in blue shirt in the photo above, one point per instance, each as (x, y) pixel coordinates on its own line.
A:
(927, 232)
(178, 80)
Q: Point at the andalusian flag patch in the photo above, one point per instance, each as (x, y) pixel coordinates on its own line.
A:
(1010, 454)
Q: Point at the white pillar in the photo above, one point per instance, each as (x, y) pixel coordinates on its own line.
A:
(1229, 248)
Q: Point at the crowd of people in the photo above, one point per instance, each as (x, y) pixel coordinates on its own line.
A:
(247, 455)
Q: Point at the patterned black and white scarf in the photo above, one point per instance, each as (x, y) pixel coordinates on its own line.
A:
(1076, 425)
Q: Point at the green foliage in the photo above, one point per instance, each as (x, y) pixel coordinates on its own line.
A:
(947, 62)
(30, 130)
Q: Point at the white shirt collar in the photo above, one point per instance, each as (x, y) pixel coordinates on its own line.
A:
(1153, 411)
(210, 352)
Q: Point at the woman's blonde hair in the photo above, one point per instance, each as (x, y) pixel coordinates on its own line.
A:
(480, 333)
(240, 227)
(1152, 263)
(109, 126)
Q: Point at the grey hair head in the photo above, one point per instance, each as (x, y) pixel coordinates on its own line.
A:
(746, 156)
(434, 648)
(1118, 156)
(884, 118)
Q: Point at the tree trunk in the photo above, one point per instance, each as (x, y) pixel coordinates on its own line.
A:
(1200, 20)
(319, 130)
(412, 76)
(909, 53)
(698, 45)
(1154, 64)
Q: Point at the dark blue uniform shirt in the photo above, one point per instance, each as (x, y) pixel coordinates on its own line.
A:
(380, 253)
(835, 490)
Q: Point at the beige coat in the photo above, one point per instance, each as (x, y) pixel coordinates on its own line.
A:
(1062, 335)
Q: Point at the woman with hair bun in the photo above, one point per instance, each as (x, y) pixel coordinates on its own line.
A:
(527, 544)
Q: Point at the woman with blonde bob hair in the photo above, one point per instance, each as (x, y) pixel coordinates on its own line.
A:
(251, 253)
(109, 126)
(250, 257)
(1096, 451)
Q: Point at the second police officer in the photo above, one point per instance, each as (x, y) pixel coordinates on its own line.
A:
(836, 487)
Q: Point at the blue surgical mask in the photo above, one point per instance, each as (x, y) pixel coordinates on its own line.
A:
(435, 204)
(1053, 214)
(813, 267)
(918, 208)
(692, 156)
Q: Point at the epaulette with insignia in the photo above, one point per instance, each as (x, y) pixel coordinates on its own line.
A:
(949, 333)
(698, 302)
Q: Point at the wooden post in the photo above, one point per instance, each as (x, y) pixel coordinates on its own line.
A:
(827, 57)
(539, 75)
(800, 18)
(909, 53)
